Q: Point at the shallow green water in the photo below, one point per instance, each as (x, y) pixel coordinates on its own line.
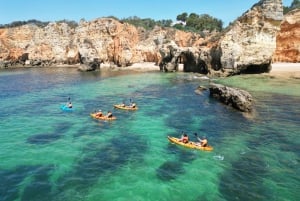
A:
(48, 154)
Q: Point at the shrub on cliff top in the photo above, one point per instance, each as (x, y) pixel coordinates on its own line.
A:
(294, 5)
(21, 23)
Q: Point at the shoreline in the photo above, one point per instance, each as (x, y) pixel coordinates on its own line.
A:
(143, 67)
(285, 70)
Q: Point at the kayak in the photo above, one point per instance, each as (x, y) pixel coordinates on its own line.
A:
(66, 108)
(125, 107)
(93, 115)
(190, 144)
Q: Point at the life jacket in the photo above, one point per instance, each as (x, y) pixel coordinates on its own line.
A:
(185, 139)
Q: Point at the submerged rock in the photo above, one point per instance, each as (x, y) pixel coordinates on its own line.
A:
(200, 89)
(237, 98)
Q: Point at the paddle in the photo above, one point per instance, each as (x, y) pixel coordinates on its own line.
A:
(200, 140)
(69, 100)
(196, 135)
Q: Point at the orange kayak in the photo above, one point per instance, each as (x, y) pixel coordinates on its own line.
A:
(190, 144)
(125, 107)
(103, 117)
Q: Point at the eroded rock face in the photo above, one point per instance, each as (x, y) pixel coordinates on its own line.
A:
(288, 39)
(104, 40)
(250, 43)
(247, 46)
(192, 58)
(237, 98)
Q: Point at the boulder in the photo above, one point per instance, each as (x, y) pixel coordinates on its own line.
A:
(200, 89)
(92, 66)
(237, 98)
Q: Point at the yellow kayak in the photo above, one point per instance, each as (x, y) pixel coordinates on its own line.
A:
(103, 117)
(120, 106)
(190, 144)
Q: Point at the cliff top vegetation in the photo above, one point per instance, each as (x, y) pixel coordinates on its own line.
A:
(294, 5)
(187, 22)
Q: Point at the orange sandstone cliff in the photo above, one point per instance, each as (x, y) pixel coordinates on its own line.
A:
(288, 39)
(251, 43)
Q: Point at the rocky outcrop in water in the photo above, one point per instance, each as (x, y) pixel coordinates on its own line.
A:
(237, 98)
(288, 39)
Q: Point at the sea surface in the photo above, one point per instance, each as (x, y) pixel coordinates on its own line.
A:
(48, 154)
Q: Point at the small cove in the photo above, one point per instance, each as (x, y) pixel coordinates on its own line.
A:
(48, 154)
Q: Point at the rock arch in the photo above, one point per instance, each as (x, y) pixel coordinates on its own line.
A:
(193, 60)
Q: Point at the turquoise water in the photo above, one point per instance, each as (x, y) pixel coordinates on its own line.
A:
(48, 154)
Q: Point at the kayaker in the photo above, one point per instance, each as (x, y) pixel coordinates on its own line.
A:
(133, 105)
(184, 138)
(69, 105)
(99, 113)
(203, 141)
(109, 114)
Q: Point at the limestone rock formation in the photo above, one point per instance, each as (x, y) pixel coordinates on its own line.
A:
(194, 59)
(246, 46)
(237, 98)
(251, 41)
(288, 39)
(103, 40)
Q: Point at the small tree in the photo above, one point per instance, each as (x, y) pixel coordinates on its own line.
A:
(182, 17)
(295, 4)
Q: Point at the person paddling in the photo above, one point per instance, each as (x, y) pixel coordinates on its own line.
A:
(184, 138)
(133, 105)
(109, 114)
(69, 103)
(202, 142)
(99, 113)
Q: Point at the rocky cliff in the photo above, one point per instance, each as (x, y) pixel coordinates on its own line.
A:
(288, 39)
(250, 43)
(246, 46)
(103, 40)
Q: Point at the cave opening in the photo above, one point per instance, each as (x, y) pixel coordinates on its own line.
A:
(254, 69)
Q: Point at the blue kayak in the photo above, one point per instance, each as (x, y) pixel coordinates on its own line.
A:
(66, 108)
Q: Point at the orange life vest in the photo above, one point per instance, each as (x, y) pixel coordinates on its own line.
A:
(185, 139)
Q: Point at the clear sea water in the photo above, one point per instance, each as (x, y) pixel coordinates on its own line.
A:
(52, 155)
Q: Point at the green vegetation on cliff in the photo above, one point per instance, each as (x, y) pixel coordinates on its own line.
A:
(192, 22)
(198, 23)
(294, 5)
(20, 23)
(38, 23)
(146, 23)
